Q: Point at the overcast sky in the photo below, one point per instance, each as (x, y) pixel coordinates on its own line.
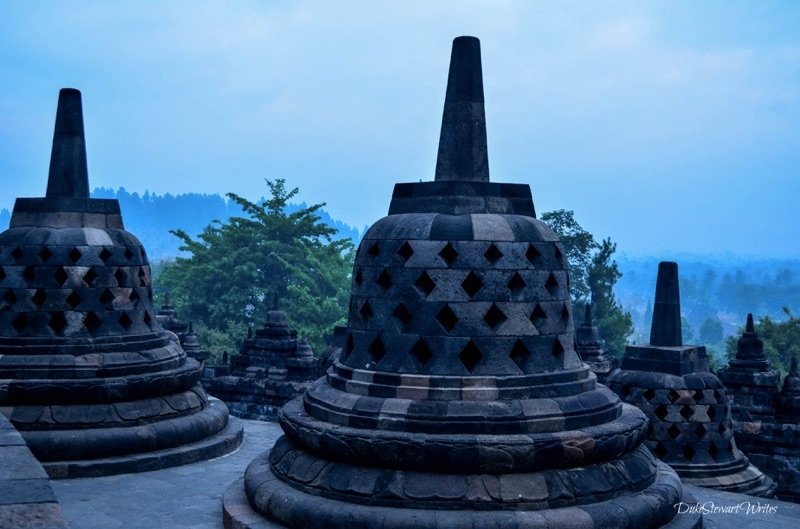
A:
(668, 126)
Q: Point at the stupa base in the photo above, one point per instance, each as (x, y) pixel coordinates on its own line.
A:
(273, 499)
(225, 440)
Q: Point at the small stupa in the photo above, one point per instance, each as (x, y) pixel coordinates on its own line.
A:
(591, 347)
(690, 423)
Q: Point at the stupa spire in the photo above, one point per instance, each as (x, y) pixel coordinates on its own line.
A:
(462, 142)
(69, 176)
(666, 327)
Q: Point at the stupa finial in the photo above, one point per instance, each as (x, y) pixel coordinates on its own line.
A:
(69, 176)
(666, 327)
(462, 142)
(749, 327)
(587, 314)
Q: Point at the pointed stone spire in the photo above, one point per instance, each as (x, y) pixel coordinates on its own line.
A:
(750, 347)
(587, 315)
(749, 327)
(68, 174)
(462, 142)
(666, 327)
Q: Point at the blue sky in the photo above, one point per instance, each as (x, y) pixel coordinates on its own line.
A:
(671, 127)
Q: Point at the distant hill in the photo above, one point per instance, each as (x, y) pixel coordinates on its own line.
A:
(151, 217)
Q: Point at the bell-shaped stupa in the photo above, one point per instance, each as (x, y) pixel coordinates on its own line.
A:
(591, 347)
(87, 375)
(690, 421)
(458, 399)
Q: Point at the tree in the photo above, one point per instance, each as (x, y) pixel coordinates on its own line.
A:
(711, 331)
(593, 274)
(781, 339)
(241, 269)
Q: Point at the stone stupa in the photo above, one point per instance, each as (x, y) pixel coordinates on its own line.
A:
(591, 347)
(458, 399)
(87, 375)
(690, 421)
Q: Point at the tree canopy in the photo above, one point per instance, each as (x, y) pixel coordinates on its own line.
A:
(593, 274)
(268, 258)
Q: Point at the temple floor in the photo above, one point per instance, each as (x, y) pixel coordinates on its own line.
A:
(191, 495)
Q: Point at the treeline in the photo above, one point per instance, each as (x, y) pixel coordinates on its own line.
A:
(151, 217)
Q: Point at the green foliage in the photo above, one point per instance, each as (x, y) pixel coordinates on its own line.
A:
(241, 269)
(687, 332)
(593, 274)
(711, 331)
(781, 339)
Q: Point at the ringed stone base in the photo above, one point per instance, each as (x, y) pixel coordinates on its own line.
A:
(271, 496)
(224, 441)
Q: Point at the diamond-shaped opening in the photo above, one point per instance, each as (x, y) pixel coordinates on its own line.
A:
(2, 273)
(447, 318)
(358, 278)
(520, 354)
(421, 352)
(348, 347)
(20, 322)
(90, 276)
(148, 320)
(376, 349)
(558, 253)
(649, 394)
(61, 276)
(673, 431)
(74, 255)
(402, 313)
(120, 276)
(448, 254)
(538, 315)
(125, 321)
(128, 253)
(660, 451)
(686, 411)
(39, 297)
(713, 451)
(374, 250)
(470, 356)
(494, 317)
(45, 254)
(661, 411)
(29, 274)
(142, 278)
(516, 283)
(712, 412)
(92, 322)
(551, 284)
(385, 280)
(697, 396)
(493, 254)
(366, 310)
(532, 254)
(16, 253)
(57, 322)
(405, 251)
(134, 297)
(688, 452)
(700, 431)
(672, 395)
(472, 284)
(558, 349)
(105, 254)
(74, 299)
(721, 428)
(564, 313)
(425, 284)
(107, 297)
(9, 297)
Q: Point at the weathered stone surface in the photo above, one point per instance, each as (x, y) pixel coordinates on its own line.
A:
(690, 422)
(86, 371)
(455, 396)
(591, 347)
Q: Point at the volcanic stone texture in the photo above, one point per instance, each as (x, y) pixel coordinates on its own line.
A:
(690, 424)
(458, 399)
(273, 367)
(87, 375)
